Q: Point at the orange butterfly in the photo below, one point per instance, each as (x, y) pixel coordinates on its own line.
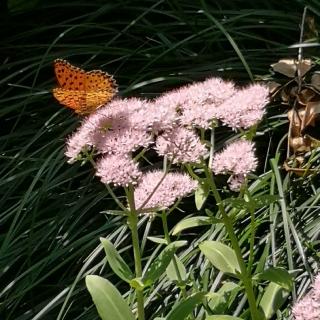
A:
(84, 92)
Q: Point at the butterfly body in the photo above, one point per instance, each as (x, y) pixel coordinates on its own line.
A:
(84, 92)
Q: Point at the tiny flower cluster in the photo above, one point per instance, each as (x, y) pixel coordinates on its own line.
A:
(308, 308)
(169, 125)
(237, 159)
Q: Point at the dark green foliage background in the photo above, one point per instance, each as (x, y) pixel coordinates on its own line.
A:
(50, 215)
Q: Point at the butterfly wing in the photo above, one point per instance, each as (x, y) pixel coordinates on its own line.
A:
(94, 99)
(100, 88)
(82, 91)
(69, 76)
(73, 99)
(99, 80)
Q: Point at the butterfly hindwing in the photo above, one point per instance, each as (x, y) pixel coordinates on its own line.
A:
(99, 80)
(73, 99)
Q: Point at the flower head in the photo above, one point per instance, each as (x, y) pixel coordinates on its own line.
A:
(245, 108)
(203, 100)
(196, 103)
(162, 115)
(236, 181)
(76, 143)
(118, 170)
(158, 189)
(121, 141)
(118, 127)
(308, 308)
(237, 158)
(180, 145)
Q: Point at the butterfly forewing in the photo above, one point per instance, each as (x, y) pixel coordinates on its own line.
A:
(69, 76)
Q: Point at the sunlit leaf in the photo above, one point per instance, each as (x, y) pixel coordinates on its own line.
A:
(185, 307)
(172, 272)
(272, 299)
(201, 195)
(193, 222)
(107, 299)
(117, 264)
(158, 240)
(221, 256)
(279, 276)
(222, 317)
(159, 265)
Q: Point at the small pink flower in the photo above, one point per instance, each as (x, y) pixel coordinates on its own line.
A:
(76, 143)
(196, 103)
(180, 145)
(161, 115)
(121, 141)
(308, 308)
(245, 108)
(203, 101)
(118, 170)
(237, 158)
(172, 186)
(118, 127)
(235, 182)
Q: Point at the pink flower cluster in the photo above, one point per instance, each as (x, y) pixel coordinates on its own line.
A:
(158, 189)
(168, 124)
(237, 159)
(180, 145)
(308, 308)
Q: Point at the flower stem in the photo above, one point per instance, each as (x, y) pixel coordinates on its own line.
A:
(245, 277)
(167, 237)
(133, 225)
(252, 233)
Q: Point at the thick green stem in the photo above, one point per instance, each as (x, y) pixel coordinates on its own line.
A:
(133, 224)
(245, 277)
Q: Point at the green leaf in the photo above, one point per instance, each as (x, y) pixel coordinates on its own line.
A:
(221, 256)
(222, 317)
(137, 283)
(171, 270)
(158, 240)
(159, 265)
(252, 204)
(107, 299)
(201, 195)
(185, 307)
(220, 301)
(272, 299)
(117, 264)
(193, 222)
(265, 200)
(279, 276)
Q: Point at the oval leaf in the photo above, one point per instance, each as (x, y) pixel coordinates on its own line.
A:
(272, 299)
(193, 222)
(279, 276)
(222, 317)
(158, 240)
(221, 256)
(117, 264)
(201, 195)
(172, 272)
(185, 307)
(107, 299)
(159, 265)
